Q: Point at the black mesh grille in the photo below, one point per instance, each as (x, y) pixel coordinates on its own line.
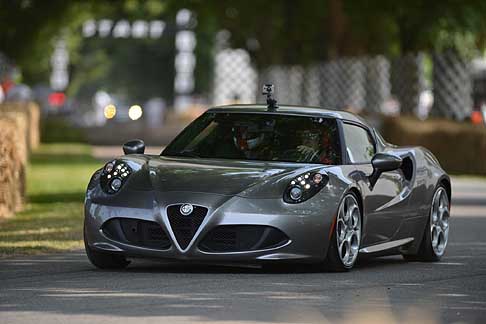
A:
(137, 232)
(236, 238)
(184, 227)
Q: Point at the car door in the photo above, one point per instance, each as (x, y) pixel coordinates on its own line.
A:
(381, 215)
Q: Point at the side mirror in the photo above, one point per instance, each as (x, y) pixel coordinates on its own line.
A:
(382, 162)
(134, 147)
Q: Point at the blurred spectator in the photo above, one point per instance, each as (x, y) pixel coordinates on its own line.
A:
(6, 85)
(20, 92)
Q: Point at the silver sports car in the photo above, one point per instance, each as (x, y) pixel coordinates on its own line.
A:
(257, 184)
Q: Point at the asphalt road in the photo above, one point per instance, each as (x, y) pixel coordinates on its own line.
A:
(65, 288)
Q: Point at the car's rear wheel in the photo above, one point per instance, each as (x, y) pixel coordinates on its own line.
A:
(105, 260)
(436, 233)
(346, 237)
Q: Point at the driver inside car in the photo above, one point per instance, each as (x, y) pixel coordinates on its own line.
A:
(251, 140)
(316, 146)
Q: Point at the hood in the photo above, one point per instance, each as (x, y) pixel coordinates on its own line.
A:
(225, 177)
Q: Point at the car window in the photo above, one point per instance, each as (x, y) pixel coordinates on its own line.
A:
(255, 136)
(359, 144)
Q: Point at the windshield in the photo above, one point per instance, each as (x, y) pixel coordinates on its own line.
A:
(256, 136)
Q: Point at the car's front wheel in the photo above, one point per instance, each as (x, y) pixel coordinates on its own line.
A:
(346, 237)
(104, 260)
(436, 233)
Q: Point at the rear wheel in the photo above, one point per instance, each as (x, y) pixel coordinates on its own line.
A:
(105, 260)
(436, 233)
(346, 238)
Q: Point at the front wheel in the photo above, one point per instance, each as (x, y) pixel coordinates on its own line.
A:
(346, 238)
(436, 233)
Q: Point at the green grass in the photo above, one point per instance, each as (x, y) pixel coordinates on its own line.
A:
(53, 217)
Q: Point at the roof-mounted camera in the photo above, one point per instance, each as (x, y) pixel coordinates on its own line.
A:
(268, 90)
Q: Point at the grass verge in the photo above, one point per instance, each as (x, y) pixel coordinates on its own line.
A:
(53, 218)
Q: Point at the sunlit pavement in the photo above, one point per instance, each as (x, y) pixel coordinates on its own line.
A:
(65, 288)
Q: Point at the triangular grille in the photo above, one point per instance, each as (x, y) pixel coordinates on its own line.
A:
(184, 227)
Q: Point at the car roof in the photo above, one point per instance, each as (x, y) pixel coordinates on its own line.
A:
(291, 110)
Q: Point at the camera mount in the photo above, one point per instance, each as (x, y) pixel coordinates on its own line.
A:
(268, 90)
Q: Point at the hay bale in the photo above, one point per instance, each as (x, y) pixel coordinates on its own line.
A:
(21, 141)
(12, 167)
(32, 115)
(34, 125)
(460, 147)
(19, 133)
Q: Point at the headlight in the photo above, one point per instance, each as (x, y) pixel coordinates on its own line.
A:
(114, 175)
(109, 167)
(304, 187)
(115, 184)
(295, 193)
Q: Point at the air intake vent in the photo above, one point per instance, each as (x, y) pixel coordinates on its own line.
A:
(237, 238)
(184, 227)
(137, 232)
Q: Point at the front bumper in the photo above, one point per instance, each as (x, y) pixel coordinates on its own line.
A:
(307, 225)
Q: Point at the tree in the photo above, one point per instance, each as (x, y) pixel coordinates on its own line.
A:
(27, 29)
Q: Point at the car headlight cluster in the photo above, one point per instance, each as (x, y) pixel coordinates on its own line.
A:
(304, 187)
(114, 175)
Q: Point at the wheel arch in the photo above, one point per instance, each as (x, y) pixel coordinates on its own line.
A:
(356, 191)
(359, 197)
(446, 182)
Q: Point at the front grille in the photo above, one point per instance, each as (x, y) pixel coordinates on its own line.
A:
(137, 232)
(184, 227)
(237, 238)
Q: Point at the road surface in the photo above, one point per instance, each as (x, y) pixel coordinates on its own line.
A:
(65, 288)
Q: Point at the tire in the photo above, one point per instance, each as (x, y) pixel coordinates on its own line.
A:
(346, 237)
(105, 260)
(436, 232)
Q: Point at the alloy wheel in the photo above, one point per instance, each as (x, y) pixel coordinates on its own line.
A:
(439, 221)
(348, 230)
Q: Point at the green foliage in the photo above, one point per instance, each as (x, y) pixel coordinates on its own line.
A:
(432, 25)
(292, 32)
(28, 29)
(286, 32)
(138, 68)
